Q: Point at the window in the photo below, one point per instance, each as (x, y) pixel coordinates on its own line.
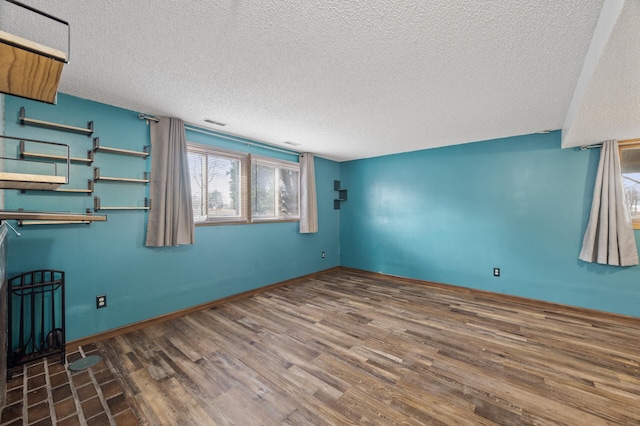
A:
(275, 189)
(630, 165)
(220, 182)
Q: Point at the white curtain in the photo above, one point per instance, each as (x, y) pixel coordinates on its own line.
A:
(171, 216)
(308, 202)
(609, 238)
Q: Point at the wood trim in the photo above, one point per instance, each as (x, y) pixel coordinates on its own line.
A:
(186, 311)
(629, 142)
(623, 145)
(440, 286)
(541, 304)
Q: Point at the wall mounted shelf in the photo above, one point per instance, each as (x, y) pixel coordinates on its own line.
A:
(98, 148)
(24, 121)
(88, 191)
(342, 195)
(52, 222)
(97, 177)
(22, 180)
(25, 154)
(97, 206)
(51, 216)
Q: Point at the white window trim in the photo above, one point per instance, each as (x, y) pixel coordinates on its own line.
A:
(246, 162)
(281, 164)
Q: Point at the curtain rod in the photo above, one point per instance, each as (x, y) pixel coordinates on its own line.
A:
(586, 147)
(599, 145)
(236, 138)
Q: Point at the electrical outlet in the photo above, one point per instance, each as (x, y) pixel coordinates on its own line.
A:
(496, 272)
(323, 255)
(101, 301)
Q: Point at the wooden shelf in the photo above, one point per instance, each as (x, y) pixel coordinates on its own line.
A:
(29, 70)
(55, 126)
(86, 161)
(20, 180)
(97, 148)
(24, 154)
(52, 222)
(74, 191)
(97, 177)
(51, 216)
(97, 206)
(88, 191)
(30, 181)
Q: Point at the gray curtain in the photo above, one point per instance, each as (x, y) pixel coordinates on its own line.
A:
(171, 216)
(308, 202)
(609, 238)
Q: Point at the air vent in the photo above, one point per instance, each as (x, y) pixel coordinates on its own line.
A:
(217, 123)
(291, 143)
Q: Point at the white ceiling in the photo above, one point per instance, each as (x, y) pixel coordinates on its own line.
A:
(345, 79)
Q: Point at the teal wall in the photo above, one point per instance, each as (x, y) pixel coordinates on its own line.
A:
(451, 214)
(446, 215)
(110, 258)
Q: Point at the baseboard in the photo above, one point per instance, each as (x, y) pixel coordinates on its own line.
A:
(440, 286)
(627, 319)
(182, 312)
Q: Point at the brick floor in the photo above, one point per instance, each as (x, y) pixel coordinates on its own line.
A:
(45, 392)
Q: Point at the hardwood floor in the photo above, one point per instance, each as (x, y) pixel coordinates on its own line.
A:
(350, 348)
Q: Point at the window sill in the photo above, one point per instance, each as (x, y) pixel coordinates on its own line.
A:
(222, 222)
(275, 220)
(243, 222)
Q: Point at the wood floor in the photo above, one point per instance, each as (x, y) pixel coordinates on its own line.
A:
(348, 348)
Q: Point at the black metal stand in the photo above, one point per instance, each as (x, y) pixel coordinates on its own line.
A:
(36, 323)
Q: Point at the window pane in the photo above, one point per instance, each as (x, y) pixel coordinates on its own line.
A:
(263, 190)
(196, 164)
(289, 192)
(630, 163)
(223, 178)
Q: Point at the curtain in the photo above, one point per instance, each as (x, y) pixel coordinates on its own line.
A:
(171, 216)
(609, 238)
(308, 202)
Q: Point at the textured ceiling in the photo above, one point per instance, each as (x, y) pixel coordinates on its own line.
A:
(610, 104)
(345, 79)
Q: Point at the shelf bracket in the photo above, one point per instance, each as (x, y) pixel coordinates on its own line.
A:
(97, 205)
(55, 126)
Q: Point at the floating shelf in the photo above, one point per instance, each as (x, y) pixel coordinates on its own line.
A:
(24, 154)
(142, 154)
(97, 206)
(342, 195)
(51, 216)
(97, 177)
(55, 126)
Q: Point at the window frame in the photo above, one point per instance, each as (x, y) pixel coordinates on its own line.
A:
(280, 164)
(245, 163)
(622, 146)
